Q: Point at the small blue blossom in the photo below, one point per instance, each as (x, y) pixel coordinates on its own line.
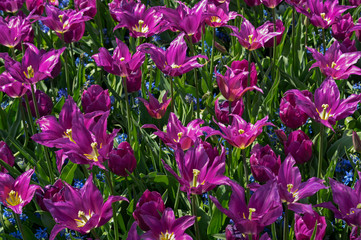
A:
(121, 138)
(43, 28)
(41, 233)
(343, 165)
(100, 176)
(63, 4)
(348, 178)
(156, 38)
(16, 235)
(23, 217)
(35, 178)
(205, 198)
(78, 183)
(4, 104)
(62, 93)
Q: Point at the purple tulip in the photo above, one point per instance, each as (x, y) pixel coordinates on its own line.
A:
(218, 16)
(141, 22)
(167, 227)
(253, 3)
(88, 6)
(291, 189)
(11, 6)
(15, 194)
(222, 110)
(150, 203)
(201, 168)
(251, 38)
(69, 24)
(234, 84)
(348, 45)
(290, 113)
(51, 192)
(95, 99)
(264, 163)
(154, 107)
(6, 155)
(340, 29)
(36, 65)
(174, 61)
(12, 87)
(348, 201)
(122, 63)
(355, 2)
(82, 209)
(38, 5)
(15, 30)
(327, 107)
(305, 226)
(122, 159)
(280, 29)
(241, 134)
(271, 3)
(299, 146)
(45, 105)
(358, 31)
(296, 3)
(322, 14)
(179, 136)
(118, 7)
(185, 19)
(264, 207)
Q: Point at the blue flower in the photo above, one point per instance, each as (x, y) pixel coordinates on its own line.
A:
(78, 183)
(43, 27)
(156, 38)
(23, 217)
(4, 104)
(348, 178)
(62, 93)
(100, 176)
(41, 233)
(16, 235)
(121, 138)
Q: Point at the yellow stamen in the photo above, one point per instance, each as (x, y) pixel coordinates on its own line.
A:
(215, 19)
(175, 66)
(68, 134)
(30, 72)
(241, 131)
(166, 236)
(180, 134)
(95, 154)
(122, 59)
(289, 187)
(358, 206)
(142, 28)
(61, 18)
(13, 198)
(83, 219)
(251, 210)
(324, 115)
(196, 172)
(323, 15)
(250, 39)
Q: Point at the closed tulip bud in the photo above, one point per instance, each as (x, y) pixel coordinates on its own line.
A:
(52, 192)
(122, 158)
(300, 146)
(222, 110)
(305, 225)
(95, 99)
(6, 155)
(45, 105)
(356, 141)
(264, 163)
(150, 203)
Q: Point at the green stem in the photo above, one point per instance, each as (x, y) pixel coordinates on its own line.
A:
(24, 122)
(324, 41)
(320, 152)
(20, 226)
(128, 108)
(68, 85)
(245, 173)
(213, 50)
(293, 42)
(172, 94)
(110, 184)
(195, 77)
(274, 44)
(274, 232)
(248, 98)
(29, 114)
(306, 37)
(177, 199)
(1, 218)
(194, 213)
(285, 226)
(35, 102)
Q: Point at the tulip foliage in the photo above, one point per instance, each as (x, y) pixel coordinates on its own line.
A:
(180, 120)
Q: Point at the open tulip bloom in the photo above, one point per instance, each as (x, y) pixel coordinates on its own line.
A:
(327, 107)
(14, 30)
(154, 107)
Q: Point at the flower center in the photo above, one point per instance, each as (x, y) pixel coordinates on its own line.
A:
(122, 59)
(215, 19)
(83, 219)
(141, 27)
(324, 115)
(95, 154)
(175, 66)
(61, 18)
(251, 210)
(358, 206)
(68, 134)
(328, 20)
(30, 72)
(180, 134)
(13, 198)
(294, 193)
(166, 236)
(250, 39)
(241, 131)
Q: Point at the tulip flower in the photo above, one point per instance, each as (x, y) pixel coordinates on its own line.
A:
(357, 29)
(279, 29)
(296, 3)
(178, 135)
(335, 63)
(38, 5)
(252, 3)
(348, 201)
(218, 16)
(241, 134)
(122, 63)
(118, 7)
(141, 22)
(234, 84)
(12, 87)
(15, 194)
(327, 107)
(174, 61)
(45, 105)
(154, 107)
(222, 110)
(122, 159)
(6, 155)
(11, 6)
(69, 24)
(264, 163)
(306, 224)
(348, 45)
(291, 189)
(356, 142)
(15, 30)
(167, 227)
(271, 3)
(299, 146)
(150, 203)
(323, 14)
(251, 38)
(89, 7)
(355, 2)
(82, 210)
(51, 192)
(340, 29)
(36, 65)
(290, 113)
(95, 99)
(264, 207)
(201, 169)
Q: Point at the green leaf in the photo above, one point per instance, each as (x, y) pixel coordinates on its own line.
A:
(67, 174)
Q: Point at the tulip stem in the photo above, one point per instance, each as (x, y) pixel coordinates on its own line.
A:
(324, 41)
(320, 159)
(29, 114)
(35, 102)
(274, 44)
(110, 184)
(128, 108)
(293, 42)
(195, 77)
(18, 222)
(245, 173)
(212, 54)
(171, 92)
(24, 122)
(285, 225)
(194, 213)
(248, 99)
